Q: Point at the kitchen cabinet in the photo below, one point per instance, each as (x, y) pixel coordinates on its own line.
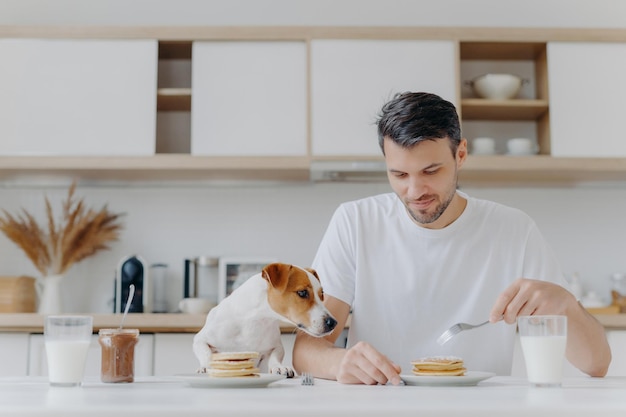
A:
(352, 79)
(78, 97)
(545, 56)
(13, 354)
(526, 115)
(587, 89)
(249, 99)
(173, 354)
(38, 363)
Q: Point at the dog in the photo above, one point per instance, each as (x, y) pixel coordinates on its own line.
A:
(249, 318)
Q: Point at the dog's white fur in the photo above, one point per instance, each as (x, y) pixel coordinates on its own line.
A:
(249, 319)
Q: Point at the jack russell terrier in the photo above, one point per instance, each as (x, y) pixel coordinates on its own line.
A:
(249, 318)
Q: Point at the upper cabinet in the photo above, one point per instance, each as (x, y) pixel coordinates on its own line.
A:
(587, 90)
(77, 97)
(249, 99)
(352, 79)
(205, 103)
(526, 115)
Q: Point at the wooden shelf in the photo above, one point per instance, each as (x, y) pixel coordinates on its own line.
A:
(518, 109)
(160, 167)
(540, 170)
(174, 99)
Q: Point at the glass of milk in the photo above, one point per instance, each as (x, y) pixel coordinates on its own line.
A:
(67, 340)
(543, 340)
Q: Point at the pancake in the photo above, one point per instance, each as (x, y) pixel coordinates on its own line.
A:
(225, 373)
(439, 366)
(233, 356)
(231, 364)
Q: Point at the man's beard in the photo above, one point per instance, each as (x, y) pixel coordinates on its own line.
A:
(427, 218)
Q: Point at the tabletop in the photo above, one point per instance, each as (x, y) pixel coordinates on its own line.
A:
(171, 396)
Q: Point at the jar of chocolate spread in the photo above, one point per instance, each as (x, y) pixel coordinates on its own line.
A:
(118, 354)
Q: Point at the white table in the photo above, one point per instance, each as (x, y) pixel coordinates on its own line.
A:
(498, 396)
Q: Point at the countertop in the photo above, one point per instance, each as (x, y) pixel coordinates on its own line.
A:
(154, 397)
(146, 323)
(183, 323)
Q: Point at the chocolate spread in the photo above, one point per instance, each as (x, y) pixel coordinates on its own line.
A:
(118, 354)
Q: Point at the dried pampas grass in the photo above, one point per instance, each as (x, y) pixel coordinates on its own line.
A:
(53, 249)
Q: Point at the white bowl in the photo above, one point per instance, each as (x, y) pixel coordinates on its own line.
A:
(497, 86)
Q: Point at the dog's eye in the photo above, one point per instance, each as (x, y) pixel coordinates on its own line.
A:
(303, 293)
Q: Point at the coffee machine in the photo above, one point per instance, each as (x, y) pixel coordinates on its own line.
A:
(132, 270)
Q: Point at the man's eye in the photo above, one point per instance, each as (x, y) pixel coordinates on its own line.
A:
(431, 172)
(303, 293)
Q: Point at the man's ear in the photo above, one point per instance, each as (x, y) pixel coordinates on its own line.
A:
(461, 153)
(277, 275)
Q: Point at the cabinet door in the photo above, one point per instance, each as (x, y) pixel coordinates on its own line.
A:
(38, 363)
(173, 354)
(352, 79)
(617, 341)
(77, 97)
(13, 354)
(587, 90)
(248, 99)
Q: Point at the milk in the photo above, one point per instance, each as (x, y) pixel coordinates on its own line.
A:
(66, 361)
(544, 357)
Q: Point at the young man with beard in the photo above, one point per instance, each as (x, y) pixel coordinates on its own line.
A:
(411, 263)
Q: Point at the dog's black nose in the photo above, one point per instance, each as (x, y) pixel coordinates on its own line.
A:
(329, 323)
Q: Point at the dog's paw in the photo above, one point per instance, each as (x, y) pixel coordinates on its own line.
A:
(201, 371)
(283, 370)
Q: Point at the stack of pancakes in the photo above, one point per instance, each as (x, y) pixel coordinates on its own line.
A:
(229, 364)
(439, 366)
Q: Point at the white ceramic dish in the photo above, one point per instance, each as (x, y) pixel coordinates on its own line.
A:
(497, 86)
(205, 381)
(470, 378)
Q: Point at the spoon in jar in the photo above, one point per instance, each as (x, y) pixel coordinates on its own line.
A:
(131, 294)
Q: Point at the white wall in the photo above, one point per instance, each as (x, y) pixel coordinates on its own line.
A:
(586, 226)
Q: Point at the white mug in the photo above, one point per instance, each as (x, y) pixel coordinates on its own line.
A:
(521, 146)
(195, 305)
(483, 146)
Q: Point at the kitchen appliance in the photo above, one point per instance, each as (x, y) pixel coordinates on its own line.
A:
(158, 279)
(201, 278)
(132, 270)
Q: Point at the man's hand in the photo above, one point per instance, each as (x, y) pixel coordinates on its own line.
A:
(362, 364)
(525, 297)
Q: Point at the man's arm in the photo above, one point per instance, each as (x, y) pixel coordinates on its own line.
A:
(587, 346)
(361, 364)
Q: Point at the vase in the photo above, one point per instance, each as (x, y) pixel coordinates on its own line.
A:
(50, 301)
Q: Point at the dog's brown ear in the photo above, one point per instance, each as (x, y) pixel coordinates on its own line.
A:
(277, 275)
(314, 272)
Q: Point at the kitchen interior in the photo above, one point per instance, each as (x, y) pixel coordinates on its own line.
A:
(246, 216)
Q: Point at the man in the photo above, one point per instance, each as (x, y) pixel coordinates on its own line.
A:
(409, 264)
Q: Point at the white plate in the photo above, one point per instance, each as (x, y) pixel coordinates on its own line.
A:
(205, 381)
(469, 379)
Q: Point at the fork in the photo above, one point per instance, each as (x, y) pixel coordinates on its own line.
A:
(307, 379)
(456, 329)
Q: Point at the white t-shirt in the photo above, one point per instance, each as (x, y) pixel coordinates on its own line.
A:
(407, 284)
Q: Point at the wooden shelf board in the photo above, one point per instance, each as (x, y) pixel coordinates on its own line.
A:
(517, 109)
(478, 170)
(160, 167)
(174, 99)
(501, 50)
